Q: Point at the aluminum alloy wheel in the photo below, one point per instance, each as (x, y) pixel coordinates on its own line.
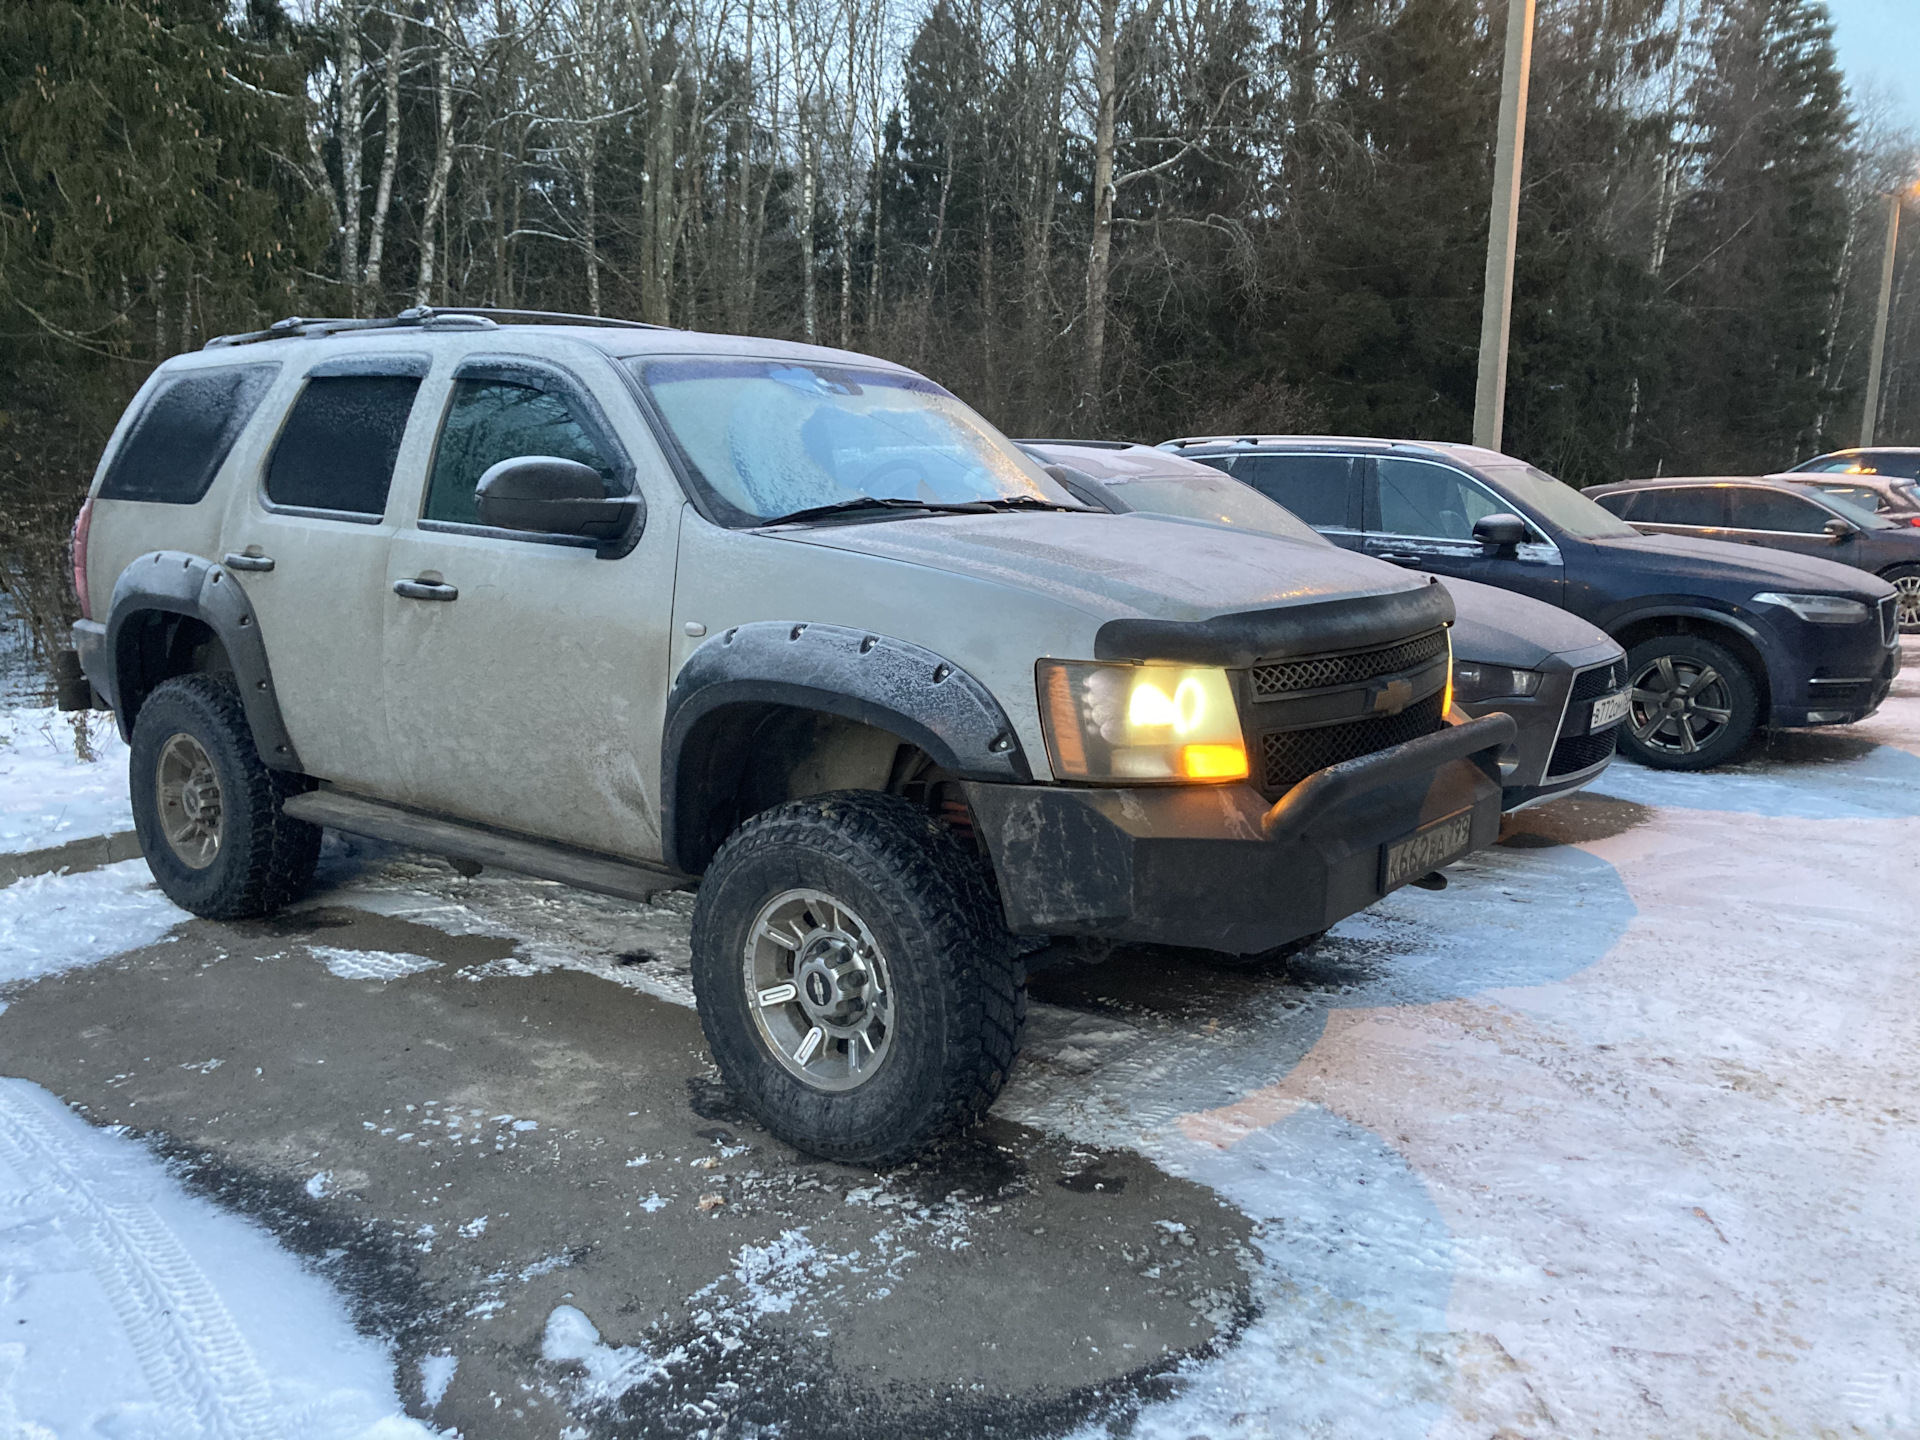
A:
(188, 788)
(819, 991)
(1907, 587)
(1679, 705)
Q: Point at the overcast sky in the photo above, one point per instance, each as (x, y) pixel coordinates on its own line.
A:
(1879, 43)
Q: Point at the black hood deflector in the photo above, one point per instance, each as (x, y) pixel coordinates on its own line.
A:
(1282, 632)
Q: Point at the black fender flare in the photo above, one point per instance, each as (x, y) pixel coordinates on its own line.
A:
(176, 583)
(893, 685)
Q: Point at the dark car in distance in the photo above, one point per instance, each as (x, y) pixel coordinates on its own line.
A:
(1721, 639)
(1806, 519)
(1560, 679)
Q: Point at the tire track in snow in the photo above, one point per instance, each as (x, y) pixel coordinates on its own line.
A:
(198, 1366)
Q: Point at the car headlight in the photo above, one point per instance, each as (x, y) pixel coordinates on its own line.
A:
(1474, 682)
(1140, 724)
(1818, 609)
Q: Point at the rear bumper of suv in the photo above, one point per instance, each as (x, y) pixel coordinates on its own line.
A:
(1217, 867)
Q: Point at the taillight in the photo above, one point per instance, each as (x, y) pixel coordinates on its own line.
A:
(1914, 520)
(83, 522)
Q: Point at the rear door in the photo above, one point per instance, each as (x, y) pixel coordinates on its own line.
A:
(308, 544)
(1699, 510)
(526, 677)
(1421, 514)
(1322, 489)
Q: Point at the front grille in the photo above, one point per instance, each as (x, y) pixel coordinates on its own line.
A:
(1289, 756)
(1601, 680)
(1890, 620)
(1321, 671)
(1575, 753)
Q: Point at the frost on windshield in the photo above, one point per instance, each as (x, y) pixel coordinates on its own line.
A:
(767, 438)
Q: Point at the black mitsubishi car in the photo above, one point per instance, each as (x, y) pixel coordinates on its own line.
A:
(1721, 639)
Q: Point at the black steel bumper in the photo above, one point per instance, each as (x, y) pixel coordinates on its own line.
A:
(1216, 866)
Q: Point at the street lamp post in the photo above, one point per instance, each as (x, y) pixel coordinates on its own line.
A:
(1877, 359)
(1503, 228)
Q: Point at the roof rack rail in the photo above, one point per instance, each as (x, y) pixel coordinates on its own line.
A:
(439, 317)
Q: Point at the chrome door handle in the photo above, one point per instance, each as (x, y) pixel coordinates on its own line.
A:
(236, 561)
(1402, 559)
(424, 590)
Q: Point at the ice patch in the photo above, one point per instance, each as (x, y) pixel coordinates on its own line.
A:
(611, 1370)
(318, 1185)
(381, 965)
(436, 1374)
(50, 923)
(48, 796)
(131, 1308)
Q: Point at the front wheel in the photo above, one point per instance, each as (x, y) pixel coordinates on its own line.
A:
(1694, 704)
(856, 982)
(1905, 580)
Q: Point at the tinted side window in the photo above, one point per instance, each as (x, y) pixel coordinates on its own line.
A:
(183, 435)
(1317, 488)
(1625, 504)
(1431, 501)
(490, 421)
(337, 449)
(1700, 505)
(1775, 510)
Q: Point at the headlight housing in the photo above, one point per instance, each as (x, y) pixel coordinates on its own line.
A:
(1141, 724)
(1817, 609)
(1474, 682)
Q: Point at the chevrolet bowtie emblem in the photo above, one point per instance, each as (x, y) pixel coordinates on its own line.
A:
(1393, 697)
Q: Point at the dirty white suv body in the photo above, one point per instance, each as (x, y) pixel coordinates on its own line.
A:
(303, 616)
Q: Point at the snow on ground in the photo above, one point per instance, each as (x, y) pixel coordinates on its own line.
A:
(1614, 1137)
(50, 923)
(48, 796)
(129, 1308)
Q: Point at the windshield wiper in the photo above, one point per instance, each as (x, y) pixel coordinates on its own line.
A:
(1030, 502)
(877, 502)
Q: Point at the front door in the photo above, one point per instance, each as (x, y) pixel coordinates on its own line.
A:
(1784, 521)
(308, 545)
(1421, 514)
(526, 677)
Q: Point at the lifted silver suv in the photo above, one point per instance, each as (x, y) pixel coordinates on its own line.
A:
(633, 609)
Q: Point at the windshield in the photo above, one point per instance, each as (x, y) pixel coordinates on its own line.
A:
(767, 438)
(1905, 465)
(1561, 504)
(1861, 515)
(1214, 499)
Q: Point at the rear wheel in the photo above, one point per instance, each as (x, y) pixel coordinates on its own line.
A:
(1694, 704)
(1905, 580)
(855, 980)
(208, 811)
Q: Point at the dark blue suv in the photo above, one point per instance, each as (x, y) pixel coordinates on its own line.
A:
(1721, 640)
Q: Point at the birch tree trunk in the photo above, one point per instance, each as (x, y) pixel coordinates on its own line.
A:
(1093, 352)
(442, 151)
(352, 139)
(803, 220)
(389, 163)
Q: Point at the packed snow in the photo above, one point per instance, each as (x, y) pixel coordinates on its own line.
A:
(48, 795)
(50, 923)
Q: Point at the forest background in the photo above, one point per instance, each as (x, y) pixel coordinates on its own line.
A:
(1114, 218)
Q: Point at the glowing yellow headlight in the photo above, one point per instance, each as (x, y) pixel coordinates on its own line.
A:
(1141, 723)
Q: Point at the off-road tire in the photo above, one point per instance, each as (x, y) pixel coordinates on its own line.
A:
(1905, 579)
(266, 858)
(958, 988)
(1730, 740)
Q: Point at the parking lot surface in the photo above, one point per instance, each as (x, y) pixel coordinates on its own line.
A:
(1615, 1136)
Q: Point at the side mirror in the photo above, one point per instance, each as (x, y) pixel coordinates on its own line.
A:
(545, 495)
(1840, 529)
(1500, 532)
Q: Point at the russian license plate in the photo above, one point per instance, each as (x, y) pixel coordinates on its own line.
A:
(1609, 710)
(1428, 848)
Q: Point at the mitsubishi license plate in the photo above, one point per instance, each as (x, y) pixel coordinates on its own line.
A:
(1609, 710)
(1428, 848)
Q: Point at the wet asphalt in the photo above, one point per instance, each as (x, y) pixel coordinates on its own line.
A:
(464, 1148)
